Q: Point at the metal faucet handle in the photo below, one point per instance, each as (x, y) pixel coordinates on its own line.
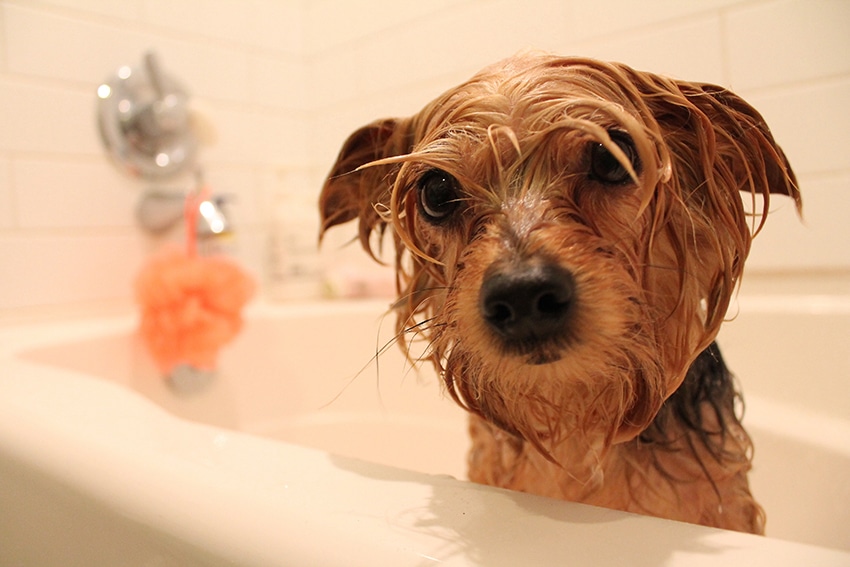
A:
(159, 210)
(143, 117)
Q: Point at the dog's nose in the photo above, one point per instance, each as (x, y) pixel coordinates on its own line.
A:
(527, 303)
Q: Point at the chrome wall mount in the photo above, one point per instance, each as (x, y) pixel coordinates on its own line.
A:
(160, 210)
(143, 117)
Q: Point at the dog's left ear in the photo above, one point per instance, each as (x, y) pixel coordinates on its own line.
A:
(353, 188)
(743, 139)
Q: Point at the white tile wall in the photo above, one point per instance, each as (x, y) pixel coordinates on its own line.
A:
(282, 83)
(787, 41)
(128, 9)
(55, 46)
(46, 117)
(63, 267)
(67, 230)
(331, 25)
(54, 194)
(616, 18)
(7, 200)
(819, 240)
(685, 49)
(815, 133)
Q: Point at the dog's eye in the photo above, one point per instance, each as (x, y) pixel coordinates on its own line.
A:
(606, 168)
(438, 195)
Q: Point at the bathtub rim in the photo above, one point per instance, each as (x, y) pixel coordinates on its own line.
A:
(27, 426)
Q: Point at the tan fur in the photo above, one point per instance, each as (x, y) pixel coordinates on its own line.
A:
(655, 264)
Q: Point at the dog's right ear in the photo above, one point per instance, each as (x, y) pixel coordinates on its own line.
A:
(352, 191)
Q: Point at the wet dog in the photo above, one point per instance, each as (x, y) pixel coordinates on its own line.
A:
(568, 235)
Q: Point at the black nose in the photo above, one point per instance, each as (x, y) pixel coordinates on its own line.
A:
(527, 303)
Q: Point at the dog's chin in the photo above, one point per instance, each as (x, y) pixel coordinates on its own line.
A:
(540, 358)
(534, 354)
(552, 393)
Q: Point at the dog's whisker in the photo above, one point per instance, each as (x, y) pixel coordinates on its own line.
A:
(402, 301)
(374, 359)
(414, 331)
(415, 361)
(349, 383)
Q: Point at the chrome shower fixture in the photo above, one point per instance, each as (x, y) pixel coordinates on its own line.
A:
(144, 122)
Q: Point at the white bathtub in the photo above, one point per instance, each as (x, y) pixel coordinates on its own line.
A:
(293, 456)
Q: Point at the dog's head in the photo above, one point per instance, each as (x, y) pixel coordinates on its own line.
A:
(568, 234)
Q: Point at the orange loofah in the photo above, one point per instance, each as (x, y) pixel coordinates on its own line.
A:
(191, 305)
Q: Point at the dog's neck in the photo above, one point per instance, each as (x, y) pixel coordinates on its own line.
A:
(502, 459)
(679, 479)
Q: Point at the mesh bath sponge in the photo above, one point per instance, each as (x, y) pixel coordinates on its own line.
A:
(190, 305)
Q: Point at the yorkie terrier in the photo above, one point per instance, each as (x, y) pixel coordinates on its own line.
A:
(568, 234)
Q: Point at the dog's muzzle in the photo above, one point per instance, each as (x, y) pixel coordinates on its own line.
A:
(527, 303)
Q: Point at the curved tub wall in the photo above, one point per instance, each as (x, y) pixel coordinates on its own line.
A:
(77, 441)
(307, 375)
(791, 359)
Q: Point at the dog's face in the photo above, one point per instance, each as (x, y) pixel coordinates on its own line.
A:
(568, 235)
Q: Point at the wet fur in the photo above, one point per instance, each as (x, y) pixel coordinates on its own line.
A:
(632, 408)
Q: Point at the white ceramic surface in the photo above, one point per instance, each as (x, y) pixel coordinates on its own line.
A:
(303, 451)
